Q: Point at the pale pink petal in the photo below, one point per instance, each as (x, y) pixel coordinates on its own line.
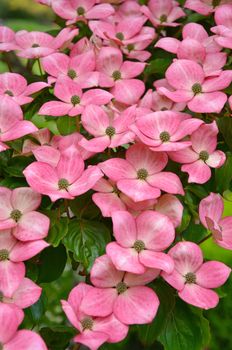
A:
(170, 206)
(71, 314)
(194, 31)
(175, 279)
(205, 138)
(32, 226)
(5, 203)
(166, 181)
(209, 102)
(217, 83)
(86, 181)
(131, 69)
(65, 88)
(108, 203)
(92, 340)
(138, 190)
(198, 296)
(47, 154)
(216, 159)
(96, 96)
(95, 120)
(199, 172)
(71, 165)
(124, 228)
(156, 260)
(111, 326)
(27, 294)
(117, 168)
(55, 64)
(211, 207)
(99, 302)
(168, 44)
(25, 199)
(100, 11)
(25, 340)
(10, 318)
(35, 87)
(19, 129)
(128, 91)
(25, 250)
(11, 275)
(212, 274)
(109, 60)
(55, 108)
(176, 96)
(98, 144)
(132, 279)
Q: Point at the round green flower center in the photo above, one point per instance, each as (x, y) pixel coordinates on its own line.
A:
(63, 184)
(4, 254)
(130, 47)
(8, 92)
(16, 215)
(35, 45)
(87, 323)
(80, 11)
(142, 174)
(190, 278)
(72, 74)
(121, 287)
(164, 136)
(110, 131)
(116, 75)
(139, 246)
(120, 36)
(75, 100)
(196, 88)
(204, 155)
(163, 18)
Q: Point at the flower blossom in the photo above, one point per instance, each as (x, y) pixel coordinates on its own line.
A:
(223, 29)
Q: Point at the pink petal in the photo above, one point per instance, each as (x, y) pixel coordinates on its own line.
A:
(109, 59)
(156, 260)
(132, 69)
(166, 181)
(5, 203)
(19, 129)
(187, 127)
(211, 207)
(10, 318)
(25, 250)
(170, 206)
(209, 102)
(96, 96)
(205, 138)
(199, 172)
(132, 279)
(99, 302)
(122, 139)
(56, 64)
(168, 44)
(65, 88)
(191, 49)
(35, 87)
(92, 340)
(124, 228)
(47, 154)
(108, 203)
(218, 83)
(176, 96)
(216, 159)
(194, 31)
(212, 274)
(86, 181)
(11, 275)
(95, 120)
(71, 165)
(128, 91)
(27, 294)
(175, 279)
(55, 108)
(117, 168)
(25, 340)
(98, 144)
(25, 199)
(32, 226)
(112, 326)
(100, 11)
(138, 190)
(198, 296)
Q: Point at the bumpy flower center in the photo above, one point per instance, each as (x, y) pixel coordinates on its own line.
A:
(164, 136)
(142, 174)
(204, 155)
(63, 184)
(121, 287)
(16, 215)
(80, 11)
(190, 278)
(8, 92)
(110, 131)
(120, 36)
(87, 323)
(196, 88)
(72, 74)
(75, 100)
(130, 47)
(116, 75)
(4, 254)
(216, 3)
(139, 246)
(163, 18)
(35, 45)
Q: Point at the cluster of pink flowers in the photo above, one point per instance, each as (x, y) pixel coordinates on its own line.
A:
(100, 83)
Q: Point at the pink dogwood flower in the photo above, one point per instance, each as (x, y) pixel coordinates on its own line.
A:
(201, 94)
(39, 44)
(108, 131)
(140, 242)
(94, 331)
(119, 74)
(11, 339)
(41, 137)
(194, 279)
(79, 68)
(12, 125)
(202, 155)
(223, 19)
(7, 39)
(15, 87)
(204, 7)
(163, 12)
(140, 175)
(63, 178)
(73, 100)
(165, 130)
(211, 215)
(123, 294)
(81, 10)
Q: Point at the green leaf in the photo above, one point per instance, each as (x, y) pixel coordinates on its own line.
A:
(83, 206)
(66, 125)
(17, 164)
(159, 65)
(58, 337)
(58, 231)
(185, 329)
(198, 190)
(51, 263)
(225, 127)
(35, 312)
(195, 232)
(86, 240)
(223, 175)
(186, 218)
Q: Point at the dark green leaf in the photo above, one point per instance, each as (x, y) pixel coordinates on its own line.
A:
(225, 127)
(58, 337)
(223, 175)
(35, 312)
(83, 206)
(58, 231)
(195, 232)
(186, 218)
(159, 65)
(66, 125)
(16, 166)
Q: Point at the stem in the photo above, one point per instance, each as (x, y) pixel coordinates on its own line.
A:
(205, 238)
(40, 68)
(66, 208)
(7, 61)
(109, 152)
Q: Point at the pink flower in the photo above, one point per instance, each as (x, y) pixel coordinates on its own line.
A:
(12, 253)
(140, 242)
(108, 131)
(15, 87)
(78, 68)
(210, 211)
(93, 331)
(140, 175)
(39, 44)
(7, 39)
(12, 125)
(81, 10)
(17, 211)
(65, 178)
(42, 137)
(163, 12)
(200, 93)
(120, 293)
(118, 75)
(204, 7)
(11, 339)
(73, 100)
(202, 156)
(194, 279)
(165, 131)
(223, 19)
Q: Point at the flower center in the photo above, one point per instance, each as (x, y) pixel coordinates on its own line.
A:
(190, 278)
(87, 323)
(120, 36)
(1, 299)
(130, 47)
(35, 45)
(204, 155)
(139, 246)
(8, 92)
(110, 131)
(196, 88)
(121, 287)
(80, 11)
(4, 254)
(164, 136)
(16, 215)
(75, 100)
(216, 3)
(163, 18)
(142, 174)
(72, 74)
(63, 184)
(116, 75)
